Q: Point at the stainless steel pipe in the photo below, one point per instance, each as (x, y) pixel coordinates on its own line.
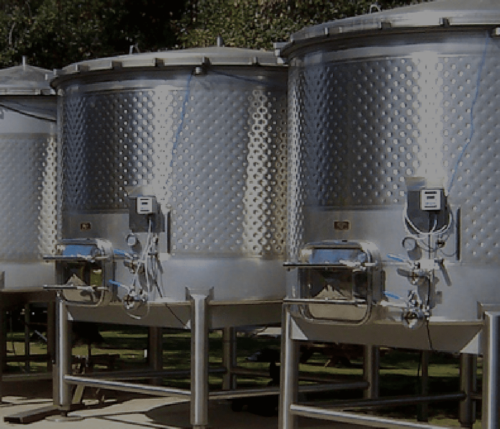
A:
(371, 365)
(155, 351)
(490, 417)
(62, 367)
(423, 408)
(289, 372)
(133, 374)
(468, 385)
(229, 358)
(199, 358)
(359, 419)
(400, 400)
(127, 387)
(303, 376)
(269, 391)
(34, 376)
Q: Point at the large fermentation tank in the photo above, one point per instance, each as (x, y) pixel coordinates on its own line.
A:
(174, 172)
(393, 175)
(28, 178)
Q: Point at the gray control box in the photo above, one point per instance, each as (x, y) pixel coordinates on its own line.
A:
(145, 214)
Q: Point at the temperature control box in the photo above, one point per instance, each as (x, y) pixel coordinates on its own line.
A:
(426, 210)
(145, 214)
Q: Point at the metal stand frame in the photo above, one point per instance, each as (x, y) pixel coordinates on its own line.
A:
(24, 298)
(290, 409)
(198, 394)
(199, 363)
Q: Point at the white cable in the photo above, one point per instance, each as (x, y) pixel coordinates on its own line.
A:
(150, 272)
(432, 232)
(136, 287)
(422, 236)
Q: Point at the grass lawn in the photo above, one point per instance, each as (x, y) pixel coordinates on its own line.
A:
(399, 373)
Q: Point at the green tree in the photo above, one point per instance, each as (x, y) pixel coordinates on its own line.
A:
(259, 23)
(54, 33)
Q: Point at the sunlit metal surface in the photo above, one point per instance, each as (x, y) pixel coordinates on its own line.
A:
(203, 131)
(28, 176)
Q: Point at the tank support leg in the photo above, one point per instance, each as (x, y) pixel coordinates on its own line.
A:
(51, 333)
(371, 364)
(491, 371)
(199, 358)
(468, 385)
(3, 348)
(229, 358)
(27, 343)
(155, 351)
(62, 367)
(423, 408)
(289, 373)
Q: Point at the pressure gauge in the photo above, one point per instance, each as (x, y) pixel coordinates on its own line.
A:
(409, 244)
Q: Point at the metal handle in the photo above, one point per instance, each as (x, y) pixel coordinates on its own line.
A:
(75, 287)
(59, 287)
(302, 308)
(342, 265)
(74, 258)
(325, 301)
(313, 266)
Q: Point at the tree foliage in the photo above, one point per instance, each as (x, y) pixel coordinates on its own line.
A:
(259, 23)
(54, 33)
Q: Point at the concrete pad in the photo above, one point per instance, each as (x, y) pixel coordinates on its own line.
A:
(127, 411)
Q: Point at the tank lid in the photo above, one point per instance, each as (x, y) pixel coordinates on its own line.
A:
(216, 56)
(24, 80)
(428, 15)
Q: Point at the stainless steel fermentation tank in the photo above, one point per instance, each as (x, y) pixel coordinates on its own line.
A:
(189, 145)
(28, 178)
(174, 192)
(28, 195)
(393, 172)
